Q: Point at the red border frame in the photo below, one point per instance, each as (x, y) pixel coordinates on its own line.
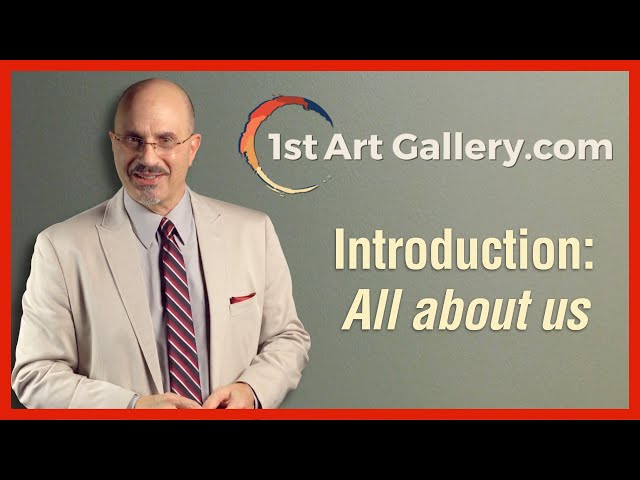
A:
(630, 66)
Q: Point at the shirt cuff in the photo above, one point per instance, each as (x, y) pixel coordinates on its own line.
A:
(134, 400)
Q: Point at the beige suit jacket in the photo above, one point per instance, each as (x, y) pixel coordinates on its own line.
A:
(86, 339)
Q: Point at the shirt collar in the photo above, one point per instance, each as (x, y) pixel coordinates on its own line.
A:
(145, 223)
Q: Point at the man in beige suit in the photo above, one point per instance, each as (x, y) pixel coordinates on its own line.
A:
(101, 327)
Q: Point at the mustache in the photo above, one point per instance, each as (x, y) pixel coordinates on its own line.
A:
(141, 169)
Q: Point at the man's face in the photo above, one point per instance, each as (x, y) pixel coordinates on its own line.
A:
(154, 177)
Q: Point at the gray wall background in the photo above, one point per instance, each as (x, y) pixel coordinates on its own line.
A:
(61, 164)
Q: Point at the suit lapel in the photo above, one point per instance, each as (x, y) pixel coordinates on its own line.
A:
(209, 227)
(118, 241)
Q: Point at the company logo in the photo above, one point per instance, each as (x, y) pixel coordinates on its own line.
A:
(448, 147)
(262, 112)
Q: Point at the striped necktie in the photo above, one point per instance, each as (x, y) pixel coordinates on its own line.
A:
(184, 376)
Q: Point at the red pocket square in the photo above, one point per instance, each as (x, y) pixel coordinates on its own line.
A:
(241, 299)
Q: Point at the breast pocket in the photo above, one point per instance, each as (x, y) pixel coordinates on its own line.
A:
(248, 305)
(244, 332)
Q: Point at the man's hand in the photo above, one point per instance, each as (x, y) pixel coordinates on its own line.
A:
(166, 400)
(234, 395)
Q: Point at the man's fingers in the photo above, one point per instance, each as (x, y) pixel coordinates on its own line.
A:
(238, 401)
(235, 402)
(168, 400)
(183, 402)
(216, 398)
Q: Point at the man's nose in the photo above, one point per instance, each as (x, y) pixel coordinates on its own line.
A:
(147, 155)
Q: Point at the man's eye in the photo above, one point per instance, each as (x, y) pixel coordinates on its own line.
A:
(166, 141)
(132, 140)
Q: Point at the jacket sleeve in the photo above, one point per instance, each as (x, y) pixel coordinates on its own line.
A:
(284, 343)
(44, 375)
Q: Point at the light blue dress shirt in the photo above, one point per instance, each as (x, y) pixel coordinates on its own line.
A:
(145, 225)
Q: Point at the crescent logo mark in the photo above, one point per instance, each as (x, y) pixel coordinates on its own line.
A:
(246, 145)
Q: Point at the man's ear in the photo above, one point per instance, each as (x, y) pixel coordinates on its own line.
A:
(194, 145)
(112, 137)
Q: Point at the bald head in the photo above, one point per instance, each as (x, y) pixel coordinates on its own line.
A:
(153, 165)
(150, 94)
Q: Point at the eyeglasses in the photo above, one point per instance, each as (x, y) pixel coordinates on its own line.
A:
(164, 145)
